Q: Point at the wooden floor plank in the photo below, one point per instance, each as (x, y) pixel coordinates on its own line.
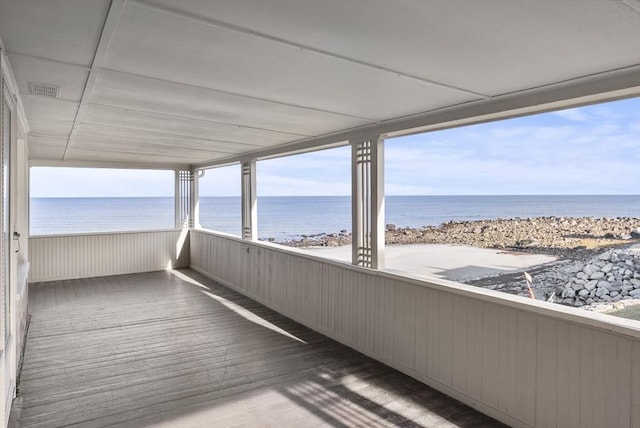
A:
(155, 349)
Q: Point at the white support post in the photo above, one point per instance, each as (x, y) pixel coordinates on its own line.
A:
(249, 201)
(357, 206)
(176, 199)
(184, 199)
(377, 203)
(195, 196)
(367, 202)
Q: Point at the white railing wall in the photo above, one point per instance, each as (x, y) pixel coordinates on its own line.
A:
(57, 257)
(525, 363)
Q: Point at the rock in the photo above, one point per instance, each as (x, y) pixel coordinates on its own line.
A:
(583, 293)
(601, 292)
(635, 293)
(605, 256)
(597, 275)
(615, 287)
(607, 268)
(527, 243)
(591, 284)
(577, 286)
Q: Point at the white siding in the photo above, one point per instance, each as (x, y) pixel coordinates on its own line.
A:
(81, 256)
(525, 363)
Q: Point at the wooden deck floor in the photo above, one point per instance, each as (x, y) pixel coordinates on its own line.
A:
(174, 349)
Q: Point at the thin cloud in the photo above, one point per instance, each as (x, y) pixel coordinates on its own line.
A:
(572, 114)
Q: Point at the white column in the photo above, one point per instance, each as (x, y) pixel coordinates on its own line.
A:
(176, 199)
(367, 202)
(377, 203)
(183, 199)
(195, 196)
(249, 200)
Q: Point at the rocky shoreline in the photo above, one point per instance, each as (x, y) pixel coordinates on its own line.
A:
(543, 235)
(598, 265)
(595, 283)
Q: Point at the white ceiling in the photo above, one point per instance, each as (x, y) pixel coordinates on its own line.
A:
(190, 82)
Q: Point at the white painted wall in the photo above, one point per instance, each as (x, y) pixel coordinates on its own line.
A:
(56, 257)
(525, 363)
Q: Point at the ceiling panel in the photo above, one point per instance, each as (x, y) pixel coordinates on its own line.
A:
(491, 46)
(49, 108)
(203, 55)
(136, 138)
(51, 128)
(175, 125)
(65, 30)
(89, 155)
(42, 147)
(105, 143)
(124, 90)
(71, 79)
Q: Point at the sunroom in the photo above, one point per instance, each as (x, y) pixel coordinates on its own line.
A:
(119, 333)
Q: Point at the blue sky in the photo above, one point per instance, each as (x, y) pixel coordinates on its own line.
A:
(587, 150)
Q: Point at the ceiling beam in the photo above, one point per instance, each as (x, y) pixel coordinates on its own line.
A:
(110, 24)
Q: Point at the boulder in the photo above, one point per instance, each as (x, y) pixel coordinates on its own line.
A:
(591, 284)
(607, 268)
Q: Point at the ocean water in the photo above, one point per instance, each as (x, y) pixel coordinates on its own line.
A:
(291, 217)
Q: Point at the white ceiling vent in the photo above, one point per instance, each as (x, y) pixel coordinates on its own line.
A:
(44, 90)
